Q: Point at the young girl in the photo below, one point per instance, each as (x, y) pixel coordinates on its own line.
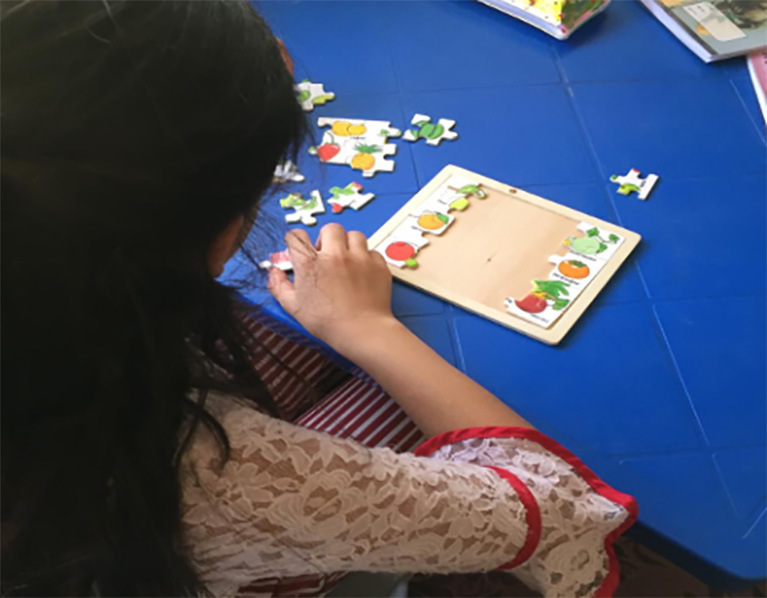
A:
(146, 442)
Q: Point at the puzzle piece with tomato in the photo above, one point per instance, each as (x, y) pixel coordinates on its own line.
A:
(361, 144)
(633, 182)
(433, 133)
(304, 209)
(311, 94)
(543, 304)
(401, 248)
(279, 259)
(348, 197)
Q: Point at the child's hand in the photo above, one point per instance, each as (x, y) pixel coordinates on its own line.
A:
(341, 291)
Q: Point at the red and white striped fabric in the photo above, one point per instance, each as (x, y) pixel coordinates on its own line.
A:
(358, 409)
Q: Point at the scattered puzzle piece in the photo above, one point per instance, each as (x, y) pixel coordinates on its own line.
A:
(305, 209)
(279, 259)
(433, 133)
(632, 181)
(312, 94)
(348, 197)
(288, 172)
(359, 143)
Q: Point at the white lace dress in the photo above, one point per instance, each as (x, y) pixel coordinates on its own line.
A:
(292, 501)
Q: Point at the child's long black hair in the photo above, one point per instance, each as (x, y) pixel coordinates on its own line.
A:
(133, 133)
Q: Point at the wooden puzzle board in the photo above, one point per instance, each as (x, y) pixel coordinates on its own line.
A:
(497, 246)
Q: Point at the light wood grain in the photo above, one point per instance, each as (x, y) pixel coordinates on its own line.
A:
(496, 247)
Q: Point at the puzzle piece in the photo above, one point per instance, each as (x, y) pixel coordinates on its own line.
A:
(433, 133)
(312, 94)
(430, 221)
(375, 131)
(402, 246)
(632, 181)
(358, 143)
(348, 197)
(287, 172)
(279, 259)
(596, 244)
(304, 208)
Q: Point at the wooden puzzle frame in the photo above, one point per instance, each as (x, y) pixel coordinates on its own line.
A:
(451, 291)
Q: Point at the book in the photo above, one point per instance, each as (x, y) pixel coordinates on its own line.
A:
(715, 29)
(757, 68)
(558, 18)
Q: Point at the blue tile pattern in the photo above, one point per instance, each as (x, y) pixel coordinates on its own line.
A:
(661, 385)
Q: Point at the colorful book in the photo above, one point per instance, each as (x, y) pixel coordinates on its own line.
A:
(558, 18)
(715, 29)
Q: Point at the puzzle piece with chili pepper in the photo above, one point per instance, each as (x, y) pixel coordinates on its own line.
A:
(311, 94)
(433, 133)
(632, 181)
(305, 209)
(348, 197)
(361, 144)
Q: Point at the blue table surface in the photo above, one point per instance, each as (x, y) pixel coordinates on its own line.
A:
(660, 387)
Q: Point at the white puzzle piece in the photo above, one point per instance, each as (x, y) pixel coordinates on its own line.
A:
(575, 269)
(348, 197)
(401, 247)
(279, 259)
(571, 274)
(433, 133)
(358, 143)
(305, 209)
(632, 181)
(454, 194)
(595, 243)
(434, 222)
(287, 172)
(312, 94)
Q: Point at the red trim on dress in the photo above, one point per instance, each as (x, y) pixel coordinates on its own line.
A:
(610, 583)
(532, 516)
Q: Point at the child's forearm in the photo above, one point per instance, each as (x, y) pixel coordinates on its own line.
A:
(435, 395)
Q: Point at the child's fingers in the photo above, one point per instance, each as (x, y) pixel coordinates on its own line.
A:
(357, 242)
(332, 239)
(300, 247)
(282, 289)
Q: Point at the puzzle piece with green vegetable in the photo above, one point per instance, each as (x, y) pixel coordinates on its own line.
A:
(348, 197)
(594, 243)
(433, 133)
(304, 209)
(311, 94)
(633, 182)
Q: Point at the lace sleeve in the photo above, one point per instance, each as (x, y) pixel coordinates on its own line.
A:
(579, 516)
(292, 501)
